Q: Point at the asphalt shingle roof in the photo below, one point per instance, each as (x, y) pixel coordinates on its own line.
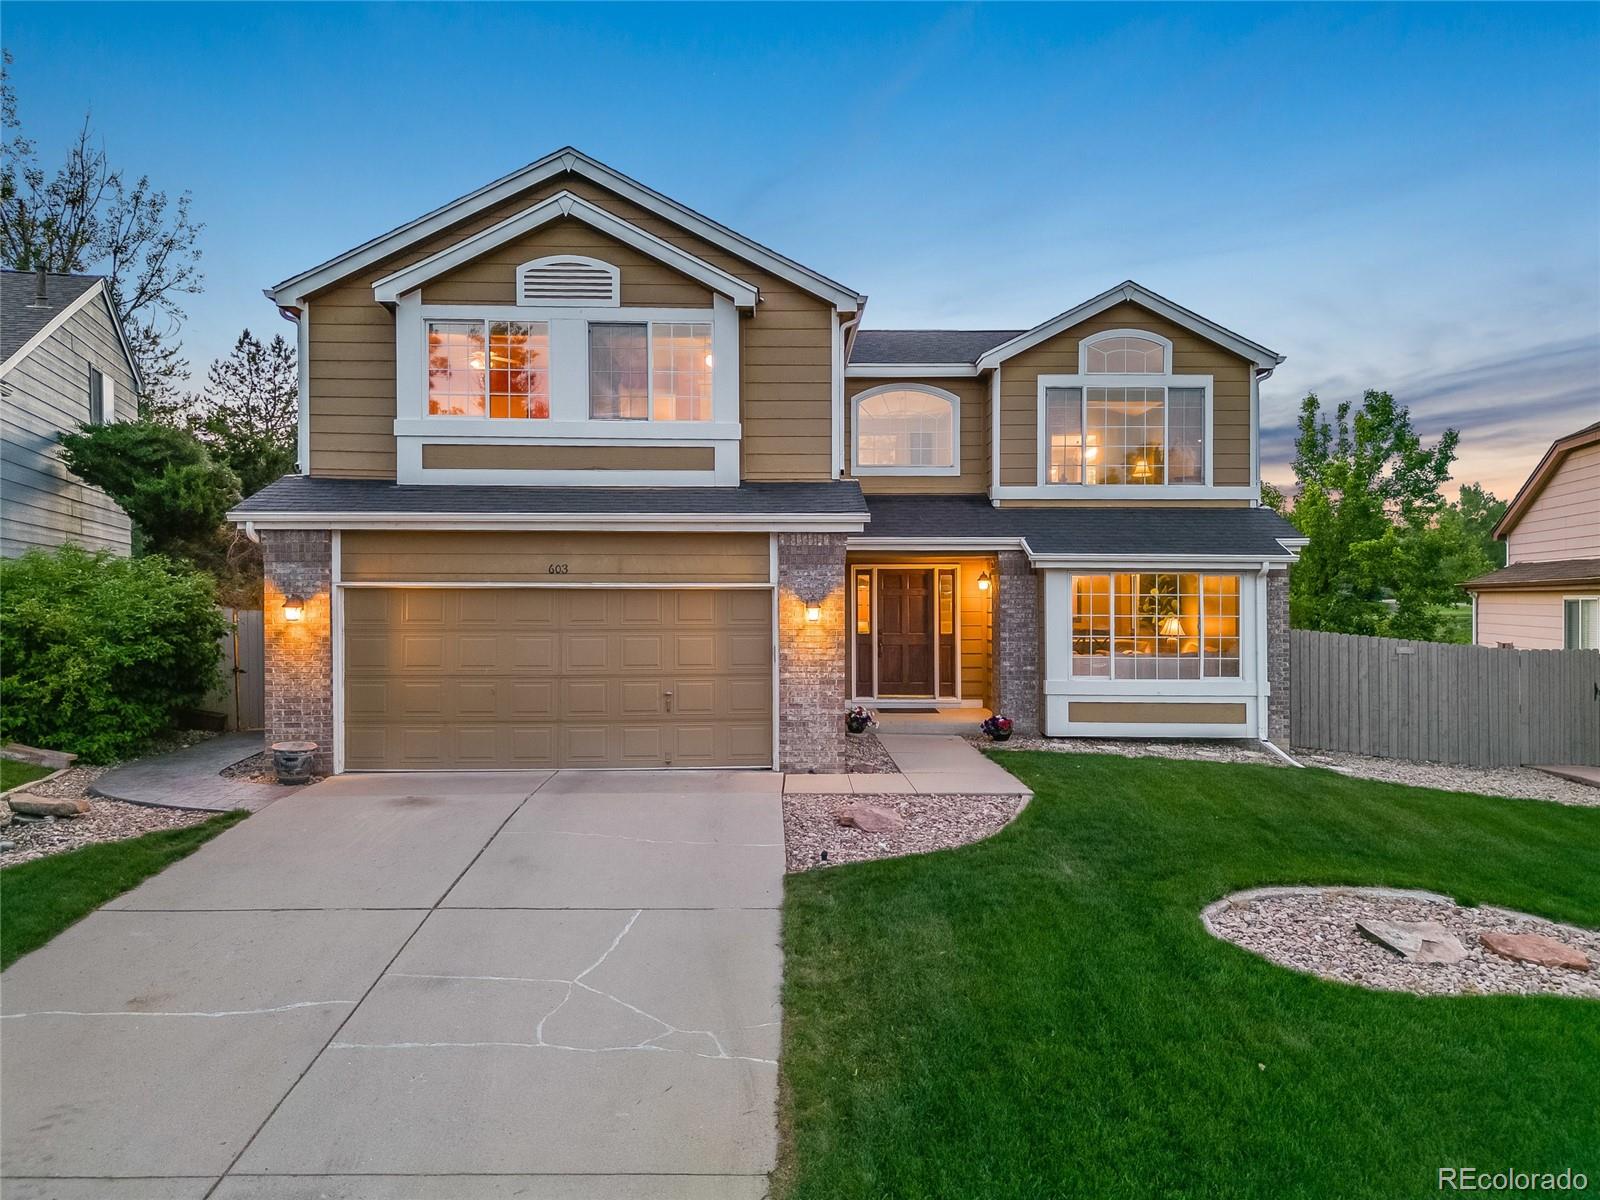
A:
(376, 497)
(1533, 574)
(1130, 530)
(927, 345)
(19, 321)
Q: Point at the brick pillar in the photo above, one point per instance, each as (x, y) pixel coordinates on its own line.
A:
(299, 654)
(1018, 648)
(1278, 731)
(811, 654)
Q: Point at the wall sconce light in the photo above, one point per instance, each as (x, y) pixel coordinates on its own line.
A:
(813, 612)
(294, 607)
(983, 582)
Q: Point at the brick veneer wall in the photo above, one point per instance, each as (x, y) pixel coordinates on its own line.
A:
(1018, 642)
(299, 654)
(811, 654)
(1278, 730)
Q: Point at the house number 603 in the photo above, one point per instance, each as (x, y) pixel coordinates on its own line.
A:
(557, 569)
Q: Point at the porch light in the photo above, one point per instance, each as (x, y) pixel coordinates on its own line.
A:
(983, 582)
(813, 612)
(294, 607)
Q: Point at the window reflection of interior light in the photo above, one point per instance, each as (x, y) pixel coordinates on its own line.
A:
(476, 362)
(708, 360)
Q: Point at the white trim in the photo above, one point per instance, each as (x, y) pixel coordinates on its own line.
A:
(994, 435)
(1255, 433)
(1244, 562)
(913, 370)
(1085, 343)
(944, 544)
(1474, 595)
(488, 584)
(777, 663)
(1122, 491)
(836, 425)
(913, 702)
(302, 348)
(495, 431)
(1153, 491)
(611, 271)
(292, 290)
(858, 468)
(933, 567)
(1262, 649)
(563, 204)
(626, 522)
(336, 605)
(1131, 291)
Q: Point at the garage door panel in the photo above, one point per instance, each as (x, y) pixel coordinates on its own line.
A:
(557, 677)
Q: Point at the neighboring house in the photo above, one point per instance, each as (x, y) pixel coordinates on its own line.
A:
(64, 363)
(1547, 596)
(590, 480)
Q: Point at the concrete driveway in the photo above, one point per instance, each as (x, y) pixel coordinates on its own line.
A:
(466, 986)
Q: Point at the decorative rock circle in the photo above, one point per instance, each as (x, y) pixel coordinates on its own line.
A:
(1407, 941)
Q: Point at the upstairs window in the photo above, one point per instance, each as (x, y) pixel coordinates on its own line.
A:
(102, 398)
(659, 371)
(906, 430)
(489, 368)
(1124, 354)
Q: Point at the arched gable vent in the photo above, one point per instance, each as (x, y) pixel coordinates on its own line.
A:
(569, 280)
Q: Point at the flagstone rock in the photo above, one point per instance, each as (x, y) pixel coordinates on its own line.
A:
(1415, 941)
(869, 818)
(1535, 948)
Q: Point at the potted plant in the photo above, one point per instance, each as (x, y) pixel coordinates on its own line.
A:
(997, 727)
(858, 719)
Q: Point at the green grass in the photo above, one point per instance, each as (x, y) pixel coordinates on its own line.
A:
(15, 774)
(39, 899)
(1042, 1015)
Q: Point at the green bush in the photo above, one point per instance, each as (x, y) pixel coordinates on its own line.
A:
(99, 653)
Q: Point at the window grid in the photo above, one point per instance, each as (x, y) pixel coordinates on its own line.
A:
(456, 384)
(1125, 356)
(905, 428)
(1186, 435)
(1130, 423)
(498, 368)
(1152, 625)
(1063, 414)
(519, 370)
(619, 376)
(680, 355)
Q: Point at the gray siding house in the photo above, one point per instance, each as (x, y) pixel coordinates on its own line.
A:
(64, 362)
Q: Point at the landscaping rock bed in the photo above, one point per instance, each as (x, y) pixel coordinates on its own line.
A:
(1315, 930)
(255, 769)
(105, 820)
(1517, 782)
(864, 755)
(811, 825)
(1200, 751)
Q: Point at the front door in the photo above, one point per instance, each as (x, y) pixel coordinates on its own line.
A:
(905, 633)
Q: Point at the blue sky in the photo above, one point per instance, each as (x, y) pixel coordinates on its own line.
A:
(1401, 197)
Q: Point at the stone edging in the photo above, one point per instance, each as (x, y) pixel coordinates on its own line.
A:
(32, 783)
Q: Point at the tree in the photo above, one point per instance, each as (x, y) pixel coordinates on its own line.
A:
(1368, 495)
(248, 413)
(1472, 519)
(88, 217)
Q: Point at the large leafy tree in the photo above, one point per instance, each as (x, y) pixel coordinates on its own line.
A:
(248, 413)
(85, 216)
(1368, 498)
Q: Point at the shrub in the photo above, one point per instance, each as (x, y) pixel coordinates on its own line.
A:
(101, 653)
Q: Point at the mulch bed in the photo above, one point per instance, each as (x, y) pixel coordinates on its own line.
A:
(811, 826)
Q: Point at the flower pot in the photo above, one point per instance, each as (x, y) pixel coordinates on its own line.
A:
(1000, 735)
(856, 724)
(292, 761)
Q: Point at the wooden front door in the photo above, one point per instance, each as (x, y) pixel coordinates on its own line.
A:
(905, 633)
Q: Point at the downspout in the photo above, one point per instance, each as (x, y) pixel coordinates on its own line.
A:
(847, 332)
(299, 318)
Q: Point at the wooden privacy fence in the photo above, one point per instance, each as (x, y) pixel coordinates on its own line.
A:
(1474, 705)
(241, 696)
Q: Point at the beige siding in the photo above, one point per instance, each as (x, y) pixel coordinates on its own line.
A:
(382, 556)
(974, 477)
(1191, 355)
(1528, 620)
(1564, 519)
(786, 355)
(491, 279)
(444, 456)
(41, 503)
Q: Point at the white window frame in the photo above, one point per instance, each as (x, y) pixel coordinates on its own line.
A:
(105, 412)
(486, 323)
(1579, 599)
(1232, 681)
(1121, 491)
(1085, 343)
(650, 371)
(856, 466)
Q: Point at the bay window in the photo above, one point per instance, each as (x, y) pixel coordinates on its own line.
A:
(1155, 625)
(489, 368)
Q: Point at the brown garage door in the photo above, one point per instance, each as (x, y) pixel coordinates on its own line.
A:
(441, 678)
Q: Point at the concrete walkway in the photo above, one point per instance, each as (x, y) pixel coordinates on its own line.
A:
(1577, 774)
(189, 778)
(930, 764)
(421, 986)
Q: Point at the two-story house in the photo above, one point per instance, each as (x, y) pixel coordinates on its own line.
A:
(590, 480)
(64, 363)
(1547, 596)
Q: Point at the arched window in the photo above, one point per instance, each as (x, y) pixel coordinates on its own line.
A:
(1125, 352)
(907, 429)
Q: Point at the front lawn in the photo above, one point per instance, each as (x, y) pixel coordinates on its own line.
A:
(39, 899)
(15, 774)
(1043, 1015)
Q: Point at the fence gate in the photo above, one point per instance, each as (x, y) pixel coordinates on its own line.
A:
(1474, 705)
(241, 696)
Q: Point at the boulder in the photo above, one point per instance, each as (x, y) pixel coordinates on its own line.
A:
(1426, 942)
(54, 759)
(1535, 948)
(869, 818)
(30, 805)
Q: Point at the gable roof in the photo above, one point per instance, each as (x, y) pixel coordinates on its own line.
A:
(898, 347)
(23, 327)
(293, 290)
(1263, 358)
(1542, 474)
(564, 204)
